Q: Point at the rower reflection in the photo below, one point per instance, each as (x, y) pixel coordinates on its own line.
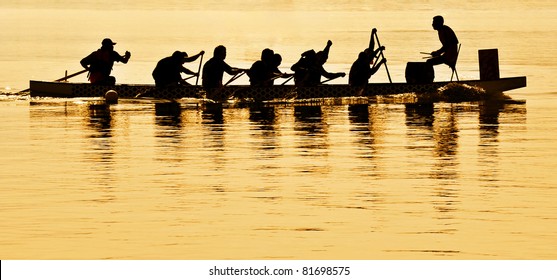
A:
(358, 113)
(420, 114)
(212, 113)
(264, 115)
(309, 119)
(100, 118)
(169, 108)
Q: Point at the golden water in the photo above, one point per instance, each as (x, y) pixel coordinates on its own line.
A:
(460, 181)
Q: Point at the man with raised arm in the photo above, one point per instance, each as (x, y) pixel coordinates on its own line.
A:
(309, 69)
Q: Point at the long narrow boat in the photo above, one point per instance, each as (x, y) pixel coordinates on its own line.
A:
(69, 90)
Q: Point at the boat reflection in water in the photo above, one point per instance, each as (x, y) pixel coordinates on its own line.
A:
(295, 172)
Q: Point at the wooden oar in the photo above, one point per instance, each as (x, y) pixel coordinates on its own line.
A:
(278, 75)
(199, 70)
(185, 79)
(329, 80)
(235, 77)
(61, 79)
(72, 75)
(287, 80)
(383, 56)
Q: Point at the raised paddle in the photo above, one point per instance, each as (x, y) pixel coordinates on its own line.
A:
(199, 69)
(383, 56)
(63, 78)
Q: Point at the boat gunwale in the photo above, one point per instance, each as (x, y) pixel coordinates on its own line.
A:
(67, 89)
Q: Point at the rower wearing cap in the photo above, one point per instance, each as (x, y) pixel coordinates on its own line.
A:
(168, 70)
(100, 62)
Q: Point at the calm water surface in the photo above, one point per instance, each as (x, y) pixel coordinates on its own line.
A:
(384, 181)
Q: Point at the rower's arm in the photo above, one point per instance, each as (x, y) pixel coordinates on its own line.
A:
(124, 59)
(86, 61)
(193, 58)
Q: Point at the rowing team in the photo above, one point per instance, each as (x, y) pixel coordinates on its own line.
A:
(307, 71)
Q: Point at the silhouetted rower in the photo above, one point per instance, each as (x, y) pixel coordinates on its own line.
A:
(362, 68)
(309, 69)
(275, 71)
(100, 62)
(261, 71)
(215, 67)
(168, 70)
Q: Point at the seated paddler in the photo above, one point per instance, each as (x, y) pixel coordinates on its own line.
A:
(168, 71)
(100, 62)
(364, 67)
(309, 69)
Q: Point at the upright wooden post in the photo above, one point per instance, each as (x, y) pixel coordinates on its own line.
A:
(489, 64)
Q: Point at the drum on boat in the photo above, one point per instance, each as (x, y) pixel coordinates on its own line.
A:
(419, 73)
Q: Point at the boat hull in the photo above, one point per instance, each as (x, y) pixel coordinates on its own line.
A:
(70, 90)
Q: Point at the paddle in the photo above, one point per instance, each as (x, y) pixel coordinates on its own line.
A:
(235, 77)
(63, 78)
(278, 75)
(330, 79)
(72, 75)
(287, 80)
(185, 79)
(199, 69)
(383, 56)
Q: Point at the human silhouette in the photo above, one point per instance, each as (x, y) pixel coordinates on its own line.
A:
(168, 70)
(275, 71)
(261, 71)
(100, 62)
(448, 52)
(309, 69)
(302, 67)
(362, 69)
(214, 69)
